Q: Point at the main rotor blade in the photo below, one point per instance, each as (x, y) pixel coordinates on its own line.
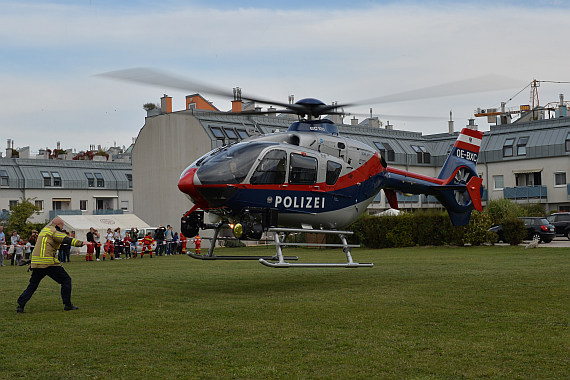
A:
(462, 87)
(383, 116)
(143, 75)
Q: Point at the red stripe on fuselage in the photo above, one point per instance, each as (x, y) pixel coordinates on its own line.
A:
(404, 173)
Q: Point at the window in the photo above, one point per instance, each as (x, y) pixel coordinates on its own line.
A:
(302, 170)
(385, 150)
(83, 205)
(422, 154)
(559, 178)
(90, 179)
(333, 171)
(498, 182)
(568, 142)
(242, 134)
(271, 170)
(418, 153)
(508, 147)
(521, 146)
(231, 133)
(12, 204)
(47, 178)
(130, 180)
(217, 132)
(39, 205)
(528, 179)
(100, 180)
(56, 179)
(124, 205)
(3, 178)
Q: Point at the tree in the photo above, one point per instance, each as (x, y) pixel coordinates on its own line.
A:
(19, 215)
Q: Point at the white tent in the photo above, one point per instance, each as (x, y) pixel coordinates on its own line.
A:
(80, 224)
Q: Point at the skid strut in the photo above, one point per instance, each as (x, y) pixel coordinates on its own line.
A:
(281, 260)
(210, 255)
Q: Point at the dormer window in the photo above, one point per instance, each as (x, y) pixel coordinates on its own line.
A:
(521, 146)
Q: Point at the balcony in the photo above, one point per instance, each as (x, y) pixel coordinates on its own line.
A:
(108, 212)
(54, 213)
(525, 192)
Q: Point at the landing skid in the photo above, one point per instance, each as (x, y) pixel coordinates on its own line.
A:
(281, 260)
(245, 257)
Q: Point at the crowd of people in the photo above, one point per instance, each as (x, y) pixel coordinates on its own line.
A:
(113, 245)
(116, 244)
(16, 249)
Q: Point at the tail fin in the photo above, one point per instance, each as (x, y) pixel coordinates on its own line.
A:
(461, 189)
(464, 153)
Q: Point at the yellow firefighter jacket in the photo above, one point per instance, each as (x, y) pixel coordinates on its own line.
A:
(49, 240)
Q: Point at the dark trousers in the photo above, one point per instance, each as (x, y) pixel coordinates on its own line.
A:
(56, 273)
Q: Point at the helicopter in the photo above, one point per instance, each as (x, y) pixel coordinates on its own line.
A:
(309, 178)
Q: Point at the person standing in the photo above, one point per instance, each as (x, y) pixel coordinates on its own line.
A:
(2, 245)
(92, 246)
(118, 237)
(45, 263)
(169, 236)
(159, 237)
(97, 240)
(134, 235)
(14, 241)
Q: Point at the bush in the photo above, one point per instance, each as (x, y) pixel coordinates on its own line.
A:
(477, 231)
(513, 230)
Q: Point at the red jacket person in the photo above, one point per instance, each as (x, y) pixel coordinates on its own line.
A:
(44, 262)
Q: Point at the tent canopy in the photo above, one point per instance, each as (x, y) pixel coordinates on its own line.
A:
(81, 224)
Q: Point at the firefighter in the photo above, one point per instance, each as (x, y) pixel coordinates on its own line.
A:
(44, 262)
(147, 244)
(197, 242)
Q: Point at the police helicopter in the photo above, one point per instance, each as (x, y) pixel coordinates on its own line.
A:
(310, 178)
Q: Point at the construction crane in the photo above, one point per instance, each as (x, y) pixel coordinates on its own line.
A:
(491, 113)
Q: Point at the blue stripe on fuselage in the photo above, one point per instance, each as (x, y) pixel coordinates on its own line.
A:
(309, 201)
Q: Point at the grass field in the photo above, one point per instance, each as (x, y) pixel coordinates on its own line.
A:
(486, 312)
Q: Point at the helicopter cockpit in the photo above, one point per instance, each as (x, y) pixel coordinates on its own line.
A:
(230, 165)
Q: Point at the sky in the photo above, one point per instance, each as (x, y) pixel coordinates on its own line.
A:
(53, 51)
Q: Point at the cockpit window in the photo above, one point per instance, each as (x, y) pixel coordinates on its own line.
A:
(230, 165)
(271, 170)
(333, 171)
(302, 170)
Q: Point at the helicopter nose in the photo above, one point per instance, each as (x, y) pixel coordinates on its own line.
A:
(187, 186)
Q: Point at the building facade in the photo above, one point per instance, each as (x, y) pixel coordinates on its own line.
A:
(66, 187)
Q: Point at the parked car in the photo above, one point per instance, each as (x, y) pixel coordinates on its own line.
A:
(537, 229)
(561, 223)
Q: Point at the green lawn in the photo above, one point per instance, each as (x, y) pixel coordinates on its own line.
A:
(487, 312)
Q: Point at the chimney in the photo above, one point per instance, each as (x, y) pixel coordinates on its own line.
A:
(237, 103)
(8, 149)
(166, 104)
(388, 125)
(354, 121)
(450, 123)
(561, 110)
(472, 124)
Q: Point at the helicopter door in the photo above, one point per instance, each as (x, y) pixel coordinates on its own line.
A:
(302, 170)
(271, 170)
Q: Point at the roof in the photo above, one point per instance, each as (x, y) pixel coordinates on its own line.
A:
(28, 173)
